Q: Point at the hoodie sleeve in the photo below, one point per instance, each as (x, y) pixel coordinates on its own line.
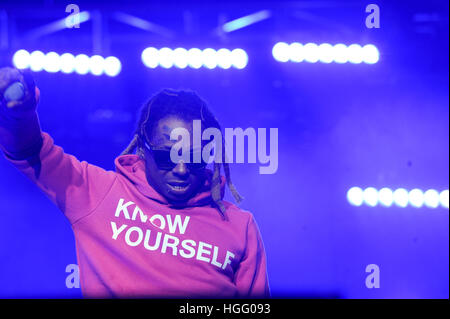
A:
(251, 276)
(77, 188)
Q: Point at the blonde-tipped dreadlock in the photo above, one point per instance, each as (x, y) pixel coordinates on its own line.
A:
(187, 105)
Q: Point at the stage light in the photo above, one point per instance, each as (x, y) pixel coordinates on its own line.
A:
(209, 58)
(150, 57)
(67, 62)
(326, 53)
(82, 64)
(281, 52)
(431, 198)
(415, 198)
(355, 53)
(340, 53)
(355, 196)
(21, 59)
(180, 58)
(296, 52)
(224, 58)
(385, 197)
(165, 56)
(443, 197)
(96, 66)
(112, 66)
(195, 58)
(37, 61)
(370, 54)
(311, 52)
(400, 197)
(239, 58)
(370, 196)
(52, 62)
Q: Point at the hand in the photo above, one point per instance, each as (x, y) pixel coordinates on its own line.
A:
(28, 103)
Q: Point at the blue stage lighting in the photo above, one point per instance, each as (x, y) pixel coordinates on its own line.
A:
(21, 59)
(194, 58)
(325, 53)
(112, 66)
(400, 197)
(281, 52)
(37, 61)
(355, 196)
(66, 63)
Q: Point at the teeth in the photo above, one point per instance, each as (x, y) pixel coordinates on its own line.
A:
(178, 187)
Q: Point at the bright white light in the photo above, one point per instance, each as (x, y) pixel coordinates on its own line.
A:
(355, 53)
(431, 198)
(150, 57)
(296, 52)
(355, 196)
(443, 197)
(37, 61)
(67, 62)
(340, 53)
(96, 64)
(416, 197)
(195, 58)
(209, 57)
(370, 196)
(281, 52)
(311, 52)
(165, 56)
(112, 66)
(386, 196)
(21, 59)
(370, 54)
(326, 53)
(51, 62)
(239, 58)
(180, 58)
(401, 197)
(82, 64)
(224, 58)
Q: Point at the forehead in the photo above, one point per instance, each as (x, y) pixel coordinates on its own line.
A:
(160, 136)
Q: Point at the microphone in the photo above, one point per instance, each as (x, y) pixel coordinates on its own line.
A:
(14, 92)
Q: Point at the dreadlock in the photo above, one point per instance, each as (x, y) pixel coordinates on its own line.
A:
(189, 106)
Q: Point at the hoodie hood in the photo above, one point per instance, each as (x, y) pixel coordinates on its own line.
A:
(133, 168)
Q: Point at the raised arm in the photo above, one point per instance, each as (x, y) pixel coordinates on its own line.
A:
(75, 187)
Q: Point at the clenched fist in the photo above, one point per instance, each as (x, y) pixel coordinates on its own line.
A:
(19, 95)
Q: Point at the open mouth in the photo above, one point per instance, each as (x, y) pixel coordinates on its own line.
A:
(178, 187)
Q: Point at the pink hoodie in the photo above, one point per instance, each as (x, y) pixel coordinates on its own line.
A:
(132, 243)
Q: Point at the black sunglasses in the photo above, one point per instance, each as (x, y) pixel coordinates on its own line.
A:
(163, 160)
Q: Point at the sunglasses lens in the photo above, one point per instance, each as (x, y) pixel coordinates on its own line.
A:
(162, 159)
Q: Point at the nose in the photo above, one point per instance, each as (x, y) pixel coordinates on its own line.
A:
(180, 170)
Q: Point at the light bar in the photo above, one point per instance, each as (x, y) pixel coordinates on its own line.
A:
(400, 197)
(325, 53)
(194, 58)
(66, 63)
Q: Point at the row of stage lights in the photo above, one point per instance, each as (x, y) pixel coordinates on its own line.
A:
(400, 197)
(67, 63)
(194, 58)
(325, 53)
